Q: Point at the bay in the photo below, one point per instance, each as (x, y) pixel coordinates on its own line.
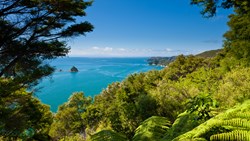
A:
(94, 75)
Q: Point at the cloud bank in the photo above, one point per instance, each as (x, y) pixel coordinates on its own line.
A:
(97, 51)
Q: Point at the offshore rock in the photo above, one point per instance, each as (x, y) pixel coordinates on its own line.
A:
(73, 69)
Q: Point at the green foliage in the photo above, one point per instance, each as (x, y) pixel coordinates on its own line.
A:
(108, 135)
(68, 120)
(238, 38)
(145, 106)
(152, 129)
(202, 104)
(152, 79)
(35, 31)
(209, 54)
(123, 107)
(203, 80)
(171, 98)
(232, 136)
(182, 66)
(123, 103)
(234, 87)
(185, 122)
(76, 137)
(22, 116)
(210, 6)
(237, 41)
(121, 111)
(223, 126)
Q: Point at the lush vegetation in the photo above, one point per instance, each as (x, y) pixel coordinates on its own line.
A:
(165, 61)
(35, 31)
(32, 32)
(194, 98)
(209, 54)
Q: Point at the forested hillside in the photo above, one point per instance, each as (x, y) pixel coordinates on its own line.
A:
(164, 61)
(209, 54)
(194, 98)
(160, 61)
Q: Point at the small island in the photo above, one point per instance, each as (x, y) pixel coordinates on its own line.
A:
(73, 69)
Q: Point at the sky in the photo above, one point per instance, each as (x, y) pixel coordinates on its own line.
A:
(145, 28)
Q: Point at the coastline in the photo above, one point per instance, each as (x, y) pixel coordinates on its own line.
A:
(94, 75)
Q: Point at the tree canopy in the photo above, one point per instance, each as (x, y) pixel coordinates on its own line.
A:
(209, 7)
(21, 115)
(194, 98)
(34, 31)
(237, 43)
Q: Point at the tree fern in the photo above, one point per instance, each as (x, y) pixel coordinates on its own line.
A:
(185, 122)
(152, 129)
(238, 122)
(108, 135)
(234, 124)
(237, 135)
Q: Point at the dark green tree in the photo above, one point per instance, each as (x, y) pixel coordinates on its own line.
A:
(237, 42)
(209, 7)
(182, 66)
(68, 120)
(22, 116)
(32, 31)
(202, 105)
(238, 37)
(36, 30)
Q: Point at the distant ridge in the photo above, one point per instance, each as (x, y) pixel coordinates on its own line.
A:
(209, 54)
(164, 61)
(160, 61)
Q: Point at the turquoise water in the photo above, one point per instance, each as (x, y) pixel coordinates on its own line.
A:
(94, 75)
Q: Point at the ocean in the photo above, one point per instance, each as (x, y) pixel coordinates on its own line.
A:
(94, 75)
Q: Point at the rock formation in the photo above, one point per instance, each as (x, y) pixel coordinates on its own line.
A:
(73, 69)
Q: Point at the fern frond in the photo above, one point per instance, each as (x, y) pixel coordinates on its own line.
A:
(242, 115)
(237, 135)
(234, 124)
(237, 123)
(152, 129)
(108, 135)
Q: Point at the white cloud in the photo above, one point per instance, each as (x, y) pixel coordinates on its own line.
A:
(95, 48)
(169, 49)
(121, 49)
(107, 49)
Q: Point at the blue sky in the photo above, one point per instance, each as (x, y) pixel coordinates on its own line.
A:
(144, 28)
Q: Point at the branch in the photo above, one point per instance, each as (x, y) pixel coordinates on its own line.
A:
(8, 67)
(8, 8)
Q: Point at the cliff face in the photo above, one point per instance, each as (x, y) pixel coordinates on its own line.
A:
(73, 69)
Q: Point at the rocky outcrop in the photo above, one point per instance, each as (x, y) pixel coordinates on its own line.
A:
(73, 69)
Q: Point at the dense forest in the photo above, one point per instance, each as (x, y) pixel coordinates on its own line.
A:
(194, 98)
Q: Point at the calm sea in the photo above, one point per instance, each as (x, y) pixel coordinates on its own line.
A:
(94, 75)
